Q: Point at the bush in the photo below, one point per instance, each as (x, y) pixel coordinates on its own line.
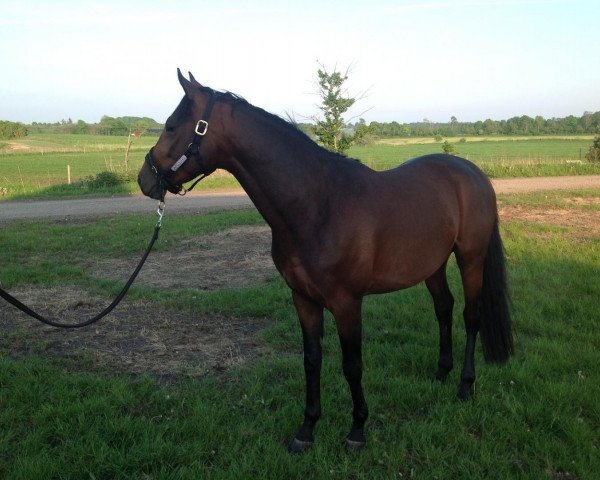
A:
(593, 154)
(10, 130)
(448, 147)
(108, 179)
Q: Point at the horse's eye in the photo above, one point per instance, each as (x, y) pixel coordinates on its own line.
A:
(169, 128)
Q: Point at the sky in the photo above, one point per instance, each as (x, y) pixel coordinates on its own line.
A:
(408, 60)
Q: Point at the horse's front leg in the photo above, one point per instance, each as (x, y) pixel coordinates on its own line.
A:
(348, 319)
(311, 321)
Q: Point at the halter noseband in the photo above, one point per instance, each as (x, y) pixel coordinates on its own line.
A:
(165, 178)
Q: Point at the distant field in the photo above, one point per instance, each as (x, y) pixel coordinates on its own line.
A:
(479, 138)
(538, 155)
(37, 165)
(53, 143)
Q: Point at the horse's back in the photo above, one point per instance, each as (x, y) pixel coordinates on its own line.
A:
(437, 179)
(441, 168)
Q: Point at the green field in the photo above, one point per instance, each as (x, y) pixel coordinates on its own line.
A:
(37, 165)
(521, 156)
(538, 417)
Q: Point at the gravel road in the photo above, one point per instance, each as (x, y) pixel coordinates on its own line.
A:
(200, 202)
(83, 207)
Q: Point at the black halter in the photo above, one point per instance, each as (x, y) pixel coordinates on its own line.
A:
(165, 178)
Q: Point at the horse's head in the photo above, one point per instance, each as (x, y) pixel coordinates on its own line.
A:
(183, 150)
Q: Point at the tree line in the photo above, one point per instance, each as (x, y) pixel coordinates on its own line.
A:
(107, 126)
(588, 123)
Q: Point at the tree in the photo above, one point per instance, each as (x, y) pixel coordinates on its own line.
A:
(454, 125)
(113, 126)
(334, 103)
(364, 134)
(81, 127)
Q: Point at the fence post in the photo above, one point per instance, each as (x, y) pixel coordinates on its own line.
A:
(69, 174)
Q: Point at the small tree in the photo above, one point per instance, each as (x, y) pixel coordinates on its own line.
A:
(334, 103)
(448, 148)
(81, 127)
(593, 154)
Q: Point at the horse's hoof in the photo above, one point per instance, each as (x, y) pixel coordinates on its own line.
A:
(465, 392)
(299, 446)
(355, 440)
(354, 445)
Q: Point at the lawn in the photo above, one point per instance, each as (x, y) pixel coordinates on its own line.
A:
(536, 417)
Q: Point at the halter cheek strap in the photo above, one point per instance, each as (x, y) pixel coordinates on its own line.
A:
(200, 131)
(164, 177)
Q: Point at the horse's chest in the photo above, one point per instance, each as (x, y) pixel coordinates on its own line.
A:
(295, 272)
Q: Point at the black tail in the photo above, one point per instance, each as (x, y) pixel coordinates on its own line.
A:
(495, 329)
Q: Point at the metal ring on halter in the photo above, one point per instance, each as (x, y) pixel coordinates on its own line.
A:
(161, 212)
(201, 124)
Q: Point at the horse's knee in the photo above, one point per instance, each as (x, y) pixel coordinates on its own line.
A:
(312, 362)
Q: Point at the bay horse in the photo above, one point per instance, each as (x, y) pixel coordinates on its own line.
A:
(341, 230)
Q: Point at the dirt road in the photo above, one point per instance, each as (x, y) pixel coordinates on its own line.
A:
(65, 209)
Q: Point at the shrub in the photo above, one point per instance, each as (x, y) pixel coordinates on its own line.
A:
(593, 154)
(107, 179)
(10, 130)
(448, 147)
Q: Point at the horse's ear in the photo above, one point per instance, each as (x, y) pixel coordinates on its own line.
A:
(184, 82)
(194, 82)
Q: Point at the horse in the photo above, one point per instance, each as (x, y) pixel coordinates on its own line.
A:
(341, 230)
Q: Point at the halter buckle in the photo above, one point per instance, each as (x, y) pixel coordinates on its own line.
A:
(201, 127)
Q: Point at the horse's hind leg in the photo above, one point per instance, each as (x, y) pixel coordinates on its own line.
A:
(472, 280)
(348, 318)
(443, 303)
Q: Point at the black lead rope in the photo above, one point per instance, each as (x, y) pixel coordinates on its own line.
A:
(25, 309)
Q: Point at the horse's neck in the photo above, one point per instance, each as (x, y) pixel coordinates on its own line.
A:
(281, 172)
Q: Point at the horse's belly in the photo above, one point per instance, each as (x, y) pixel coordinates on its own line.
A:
(401, 277)
(402, 265)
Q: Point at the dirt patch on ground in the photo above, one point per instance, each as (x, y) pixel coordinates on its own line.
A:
(137, 337)
(141, 337)
(232, 258)
(12, 146)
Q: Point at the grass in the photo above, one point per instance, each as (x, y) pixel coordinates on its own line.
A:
(39, 169)
(536, 417)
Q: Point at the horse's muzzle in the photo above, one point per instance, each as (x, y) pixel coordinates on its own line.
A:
(150, 184)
